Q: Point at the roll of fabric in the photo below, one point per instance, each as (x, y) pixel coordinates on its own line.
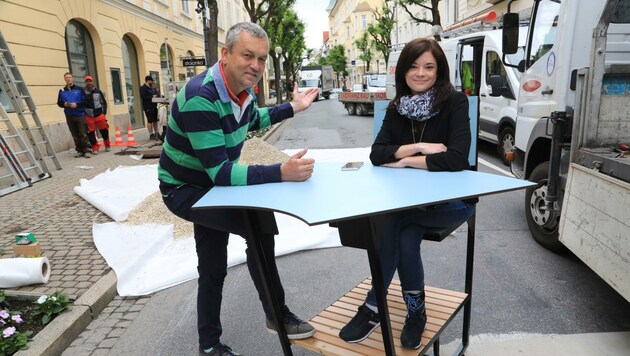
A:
(18, 272)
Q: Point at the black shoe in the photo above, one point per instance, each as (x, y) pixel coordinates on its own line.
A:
(151, 136)
(415, 322)
(296, 328)
(219, 350)
(361, 325)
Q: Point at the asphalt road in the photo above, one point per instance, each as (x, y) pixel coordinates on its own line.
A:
(519, 287)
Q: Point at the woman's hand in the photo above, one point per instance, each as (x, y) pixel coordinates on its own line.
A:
(430, 148)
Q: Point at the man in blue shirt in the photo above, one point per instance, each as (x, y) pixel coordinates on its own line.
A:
(71, 99)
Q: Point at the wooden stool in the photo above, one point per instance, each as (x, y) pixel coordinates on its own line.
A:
(441, 306)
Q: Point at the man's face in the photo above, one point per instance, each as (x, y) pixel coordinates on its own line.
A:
(89, 84)
(245, 63)
(69, 80)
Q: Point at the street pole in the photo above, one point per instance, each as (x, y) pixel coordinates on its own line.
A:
(202, 7)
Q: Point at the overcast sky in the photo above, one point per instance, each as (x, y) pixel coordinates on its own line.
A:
(314, 15)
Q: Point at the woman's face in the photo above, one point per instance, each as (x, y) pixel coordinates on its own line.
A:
(423, 73)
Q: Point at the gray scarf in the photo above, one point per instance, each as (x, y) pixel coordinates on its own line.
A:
(418, 107)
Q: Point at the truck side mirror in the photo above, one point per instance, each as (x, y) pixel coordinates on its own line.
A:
(496, 84)
(510, 33)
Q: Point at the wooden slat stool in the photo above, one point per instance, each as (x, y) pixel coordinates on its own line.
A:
(441, 306)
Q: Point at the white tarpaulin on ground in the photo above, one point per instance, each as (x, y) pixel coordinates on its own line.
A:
(146, 258)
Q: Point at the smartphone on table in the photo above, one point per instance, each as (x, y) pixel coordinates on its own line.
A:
(352, 166)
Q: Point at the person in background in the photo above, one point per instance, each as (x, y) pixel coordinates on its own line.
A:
(95, 111)
(209, 121)
(426, 126)
(147, 93)
(71, 99)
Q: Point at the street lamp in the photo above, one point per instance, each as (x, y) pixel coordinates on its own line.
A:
(278, 51)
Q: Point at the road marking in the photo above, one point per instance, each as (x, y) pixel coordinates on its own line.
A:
(496, 168)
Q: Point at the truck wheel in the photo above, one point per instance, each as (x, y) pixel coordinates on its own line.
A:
(361, 110)
(352, 109)
(542, 223)
(506, 143)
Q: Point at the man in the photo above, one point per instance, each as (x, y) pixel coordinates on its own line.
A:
(147, 93)
(95, 111)
(206, 130)
(71, 99)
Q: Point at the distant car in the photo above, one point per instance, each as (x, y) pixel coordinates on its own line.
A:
(336, 91)
(272, 93)
(357, 88)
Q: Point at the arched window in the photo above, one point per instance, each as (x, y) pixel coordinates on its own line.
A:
(132, 81)
(80, 50)
(168, 69)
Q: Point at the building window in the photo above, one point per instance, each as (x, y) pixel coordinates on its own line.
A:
(185, 7)
(363, 22)
(80, 50)
(116, 85)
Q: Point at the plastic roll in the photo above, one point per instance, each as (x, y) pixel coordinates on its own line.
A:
(18, 272)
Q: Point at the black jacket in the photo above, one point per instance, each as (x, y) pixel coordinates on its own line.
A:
(146, 94)
(89, 104)
(450, 127)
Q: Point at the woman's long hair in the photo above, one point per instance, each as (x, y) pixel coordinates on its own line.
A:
(408, 56)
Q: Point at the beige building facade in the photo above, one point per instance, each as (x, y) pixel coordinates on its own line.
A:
(117, 42)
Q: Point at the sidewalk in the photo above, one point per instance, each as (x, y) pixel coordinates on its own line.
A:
(62, 223)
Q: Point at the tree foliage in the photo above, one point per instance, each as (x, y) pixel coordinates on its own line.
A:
(338, 60)
(381, 30)
(290, 38)
(431, 5)
(365, 49)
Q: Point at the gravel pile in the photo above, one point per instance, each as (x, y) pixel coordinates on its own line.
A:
(153, 211)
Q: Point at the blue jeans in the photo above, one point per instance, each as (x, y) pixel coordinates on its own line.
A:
(399, 242)
(212, 228)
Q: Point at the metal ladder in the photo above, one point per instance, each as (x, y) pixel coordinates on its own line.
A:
(23, 165)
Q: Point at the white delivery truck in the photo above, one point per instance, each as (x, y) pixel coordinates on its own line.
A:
(572, 130)
(475, 65)
(320, 77)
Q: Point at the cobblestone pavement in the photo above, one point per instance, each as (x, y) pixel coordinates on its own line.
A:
(103, 332)
(62, 223)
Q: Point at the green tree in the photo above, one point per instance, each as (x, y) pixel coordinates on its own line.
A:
(338, 60)
(381, 30)
(433, 8)
(291, 39)
(365, 48)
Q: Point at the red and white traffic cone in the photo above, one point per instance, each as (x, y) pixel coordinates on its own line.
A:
(118, 141)
(131, 140)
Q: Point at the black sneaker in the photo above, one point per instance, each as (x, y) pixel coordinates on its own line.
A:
(361, 325)
(296, 328)
(151, 136)
(219, 350)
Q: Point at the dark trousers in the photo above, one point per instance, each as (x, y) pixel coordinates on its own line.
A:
(212, 228)
(78, 130)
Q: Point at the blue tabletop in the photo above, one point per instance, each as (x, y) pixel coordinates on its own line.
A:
(332, 194)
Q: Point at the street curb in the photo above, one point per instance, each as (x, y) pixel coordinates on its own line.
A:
(65, 328)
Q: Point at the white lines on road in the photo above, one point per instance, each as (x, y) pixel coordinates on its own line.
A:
(496, 168)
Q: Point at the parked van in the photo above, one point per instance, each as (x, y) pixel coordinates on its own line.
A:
(475, 65)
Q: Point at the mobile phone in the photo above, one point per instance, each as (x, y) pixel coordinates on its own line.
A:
(351, 166)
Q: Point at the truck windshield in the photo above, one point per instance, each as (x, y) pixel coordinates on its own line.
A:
(312, 83)
(377, 81)
(544, 29)
(622, 12)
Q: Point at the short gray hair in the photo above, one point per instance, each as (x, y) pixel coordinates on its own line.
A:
(252, 28)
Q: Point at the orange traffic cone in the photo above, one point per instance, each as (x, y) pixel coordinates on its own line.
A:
(118, 141)
(131, 141)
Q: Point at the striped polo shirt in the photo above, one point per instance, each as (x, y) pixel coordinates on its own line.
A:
(206, 132)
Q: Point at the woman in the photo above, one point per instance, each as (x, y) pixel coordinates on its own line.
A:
(426, 126)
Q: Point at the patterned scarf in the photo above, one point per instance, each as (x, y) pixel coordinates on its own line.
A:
(418, 107)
